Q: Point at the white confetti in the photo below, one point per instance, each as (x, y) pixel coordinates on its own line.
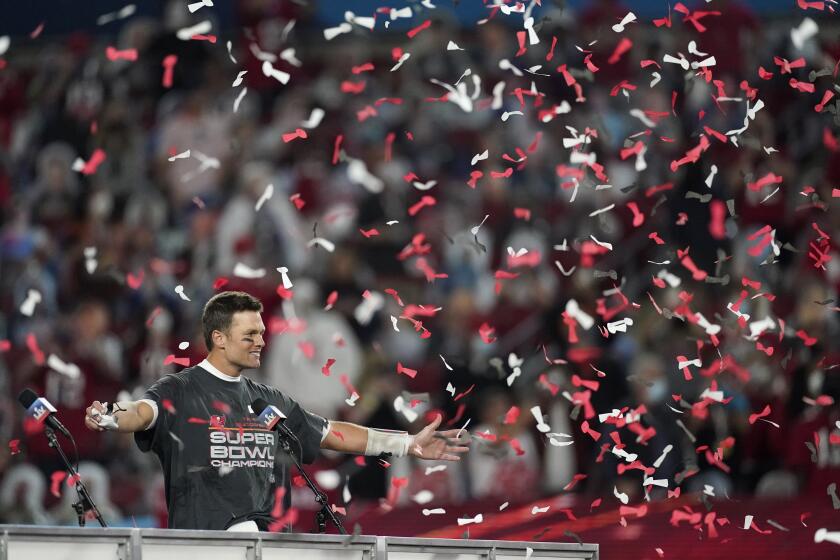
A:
(183, 345)
(444, 362)
(242, 270)
(451, 46)
(629, 18)
(480, 157)
(33, 298)
(284, 275)
(182, 155)
(331, 33)
(123, 13)
(315, 118)
(400, 62)
(424, 186)
(806, 30)
(620, 326)
(238, 81)
(474, 229)
(436, 511)
(69, 370)
(826, 535)
(467, 520)
(536, 509)
(583, 319)
(90, 259)
(289, 56)
(358, 173)
(623, 498)
(266, 195)
(195, 6)
(187, 33)
(326, 244)
(661, 458)
(239, 99)
(179, 289)
(423, 497)
(270, 71)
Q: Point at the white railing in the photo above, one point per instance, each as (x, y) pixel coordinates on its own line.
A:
(27, 542)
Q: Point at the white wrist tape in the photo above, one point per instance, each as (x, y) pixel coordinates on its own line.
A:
(387, 441)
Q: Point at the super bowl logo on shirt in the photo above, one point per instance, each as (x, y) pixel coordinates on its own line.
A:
(236, 447)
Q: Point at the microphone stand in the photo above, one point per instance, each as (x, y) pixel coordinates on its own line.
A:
(326, 511)
(84, 503)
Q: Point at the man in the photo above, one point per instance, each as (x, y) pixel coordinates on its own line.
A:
(218, 461)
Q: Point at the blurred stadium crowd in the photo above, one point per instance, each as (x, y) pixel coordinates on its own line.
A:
(101, 254)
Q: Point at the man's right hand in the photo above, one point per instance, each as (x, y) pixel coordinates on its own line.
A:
(93, 413)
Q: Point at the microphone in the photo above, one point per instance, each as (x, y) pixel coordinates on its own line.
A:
(40, 410)
(269, 415)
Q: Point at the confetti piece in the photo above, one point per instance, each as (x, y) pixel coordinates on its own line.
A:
(171, 359)
(169, 62)
(89, 167)
(123, 13)
(326, 368)
(468, 520)
(56, 479)
(113, 54)
(412, 373)
(187, 33)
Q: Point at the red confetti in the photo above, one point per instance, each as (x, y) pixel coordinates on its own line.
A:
(32, 345)
(373, 232)
(171, 359)
(298, 133)
(93, 163)
(620, 49)
(418, 29)
(486, 333)
(353, 87)
(512, 415)
(326, 369)
(336, 150)
(169, 62)
(133, 281)
(762, 414)
(114, 54)
(220, 282)
(56, 479)
(14, 448)
(412, 373)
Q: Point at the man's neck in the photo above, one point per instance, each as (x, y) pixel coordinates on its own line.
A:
(223, 365)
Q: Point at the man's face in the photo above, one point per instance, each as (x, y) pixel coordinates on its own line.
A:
(244, 340)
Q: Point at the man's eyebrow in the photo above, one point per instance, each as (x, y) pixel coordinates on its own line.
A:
(254, 331)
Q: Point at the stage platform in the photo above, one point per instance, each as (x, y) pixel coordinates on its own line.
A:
(26, 542)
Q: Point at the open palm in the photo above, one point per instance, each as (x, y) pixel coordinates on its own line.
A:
(445, 445)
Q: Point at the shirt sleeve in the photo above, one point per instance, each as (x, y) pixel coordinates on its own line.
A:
(162, 396)
(307, 426)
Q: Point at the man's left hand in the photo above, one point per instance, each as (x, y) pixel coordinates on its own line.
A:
(445, 446)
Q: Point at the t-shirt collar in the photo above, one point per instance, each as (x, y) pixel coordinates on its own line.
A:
(214, 371)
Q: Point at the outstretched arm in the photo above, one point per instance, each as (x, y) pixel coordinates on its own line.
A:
(425, 444)
(131, 416)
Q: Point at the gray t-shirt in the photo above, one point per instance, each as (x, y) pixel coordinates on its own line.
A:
(220, 465)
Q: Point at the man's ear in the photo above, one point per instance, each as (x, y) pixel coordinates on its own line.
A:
(219, 340)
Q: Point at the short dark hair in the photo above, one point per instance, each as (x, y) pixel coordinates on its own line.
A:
(219, 310)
